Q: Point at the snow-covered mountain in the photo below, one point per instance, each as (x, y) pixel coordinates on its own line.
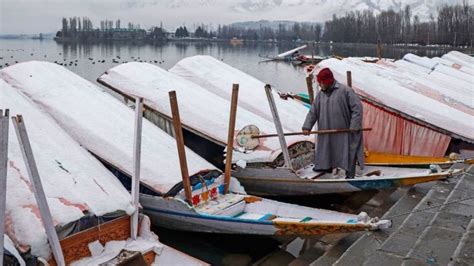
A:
(297, 10)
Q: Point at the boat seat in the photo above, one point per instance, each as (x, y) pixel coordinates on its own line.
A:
(226, 205)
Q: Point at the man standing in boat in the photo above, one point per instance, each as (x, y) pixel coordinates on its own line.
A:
(336, 106)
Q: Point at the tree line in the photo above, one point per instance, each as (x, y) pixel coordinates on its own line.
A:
(453, 26)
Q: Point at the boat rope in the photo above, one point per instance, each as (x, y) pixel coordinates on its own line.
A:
(437, 205)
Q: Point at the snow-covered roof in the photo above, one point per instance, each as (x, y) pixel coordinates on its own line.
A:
(459, 58)
(73, 180)
(200, 110)
(413, 89)
(101, 123)
(434, 66)
(218, 77)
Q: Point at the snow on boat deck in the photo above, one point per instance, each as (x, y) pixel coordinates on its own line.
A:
(101, 123)
(73, 180)
(218, 77)
(200, 109)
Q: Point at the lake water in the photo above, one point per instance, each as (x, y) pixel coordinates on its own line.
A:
(283, 75)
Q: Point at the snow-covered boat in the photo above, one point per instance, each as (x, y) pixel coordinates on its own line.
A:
(410, 140)
(102, 124)
(87, 203)
(287, 55)
(308, 59)
(261, 176)
(428, 103)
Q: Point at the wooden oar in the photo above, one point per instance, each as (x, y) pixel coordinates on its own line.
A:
(248, 137)
(327, 131)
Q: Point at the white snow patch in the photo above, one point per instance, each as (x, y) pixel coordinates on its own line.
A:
(101, 123)
(73, 180)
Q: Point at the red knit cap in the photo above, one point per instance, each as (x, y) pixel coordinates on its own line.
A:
(325, 76)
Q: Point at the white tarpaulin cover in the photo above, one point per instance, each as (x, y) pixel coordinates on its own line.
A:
(73, 180)
(101, 123)
(442, 107)
(199, 109)
(434, 66)
(218, 77)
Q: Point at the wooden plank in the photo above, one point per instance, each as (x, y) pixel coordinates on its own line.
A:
(279, 128)
(180, 143)
(137, 144)
(230, 136)
(3, 176)
(378, 158)
(40, 196)
(75, 247)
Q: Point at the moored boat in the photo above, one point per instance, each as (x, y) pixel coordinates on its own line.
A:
(89, 208)
(262, 175)
(109, 137)
(412, 135)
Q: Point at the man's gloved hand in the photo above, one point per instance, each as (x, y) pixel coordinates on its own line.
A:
(306, 132)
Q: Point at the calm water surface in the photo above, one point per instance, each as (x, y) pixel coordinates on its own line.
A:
(285, 76)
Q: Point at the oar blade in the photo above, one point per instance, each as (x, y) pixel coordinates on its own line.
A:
(244, 137)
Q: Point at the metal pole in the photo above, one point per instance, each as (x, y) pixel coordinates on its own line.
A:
(309, 85)
(40, 196)
(349, 79)
(180, 143)
(3, 175)
(230, 136)
(278, 126)
(137, 145)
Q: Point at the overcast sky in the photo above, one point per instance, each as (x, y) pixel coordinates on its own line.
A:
(35, 16)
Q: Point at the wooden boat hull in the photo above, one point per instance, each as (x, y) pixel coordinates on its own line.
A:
(283, 182)
(174, 214)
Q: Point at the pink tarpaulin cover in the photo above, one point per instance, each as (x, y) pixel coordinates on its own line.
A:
(394, 134)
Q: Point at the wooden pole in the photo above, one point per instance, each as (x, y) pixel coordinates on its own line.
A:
(230, 136)
(325, 131)
(40, 196)
(379, 49)
(278, 126)
(309, 85)
(180, 143)
(137, 145)
(349, 79)
(3, 175)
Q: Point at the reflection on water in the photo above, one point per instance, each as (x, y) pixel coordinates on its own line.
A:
(94, 59)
